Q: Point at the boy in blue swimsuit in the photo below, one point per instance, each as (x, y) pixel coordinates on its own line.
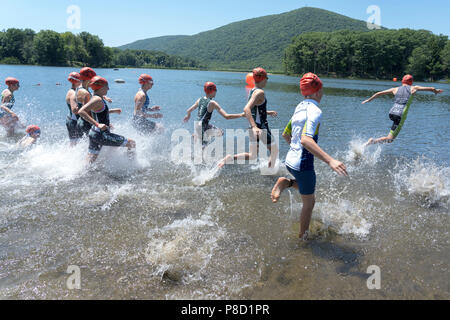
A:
(304, 135)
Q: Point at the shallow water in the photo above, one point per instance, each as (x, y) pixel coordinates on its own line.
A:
(154, 228)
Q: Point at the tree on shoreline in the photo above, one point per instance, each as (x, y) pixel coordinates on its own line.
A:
(381, 54)
(50, 48)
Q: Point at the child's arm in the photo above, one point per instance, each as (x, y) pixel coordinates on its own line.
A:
(432, 89)
(192, 108)
(73, 104)
(85, 113)
(272, 113)
(5, 103)
(378, 94)
(154, 108)
(226, 115)
(4, 107)
(248, 111)
(317, 151)
(117, 110)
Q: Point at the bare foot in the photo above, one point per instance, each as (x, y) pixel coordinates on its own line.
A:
(304, 237)
(222, 163)
(281, 184)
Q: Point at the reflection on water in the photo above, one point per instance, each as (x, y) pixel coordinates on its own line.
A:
(157, 229)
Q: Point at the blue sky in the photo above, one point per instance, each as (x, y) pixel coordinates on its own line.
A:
(121, 22)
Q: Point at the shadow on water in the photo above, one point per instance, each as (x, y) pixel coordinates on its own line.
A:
(348, 258)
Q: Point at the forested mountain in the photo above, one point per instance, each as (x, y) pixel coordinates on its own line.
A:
(245, 44)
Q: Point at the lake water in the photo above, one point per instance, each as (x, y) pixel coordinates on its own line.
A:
(155, 228)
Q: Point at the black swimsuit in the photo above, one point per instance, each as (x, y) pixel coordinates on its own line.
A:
(259, 114)
(71, 123)
(142, 124)
(83, 125)
(98, 138)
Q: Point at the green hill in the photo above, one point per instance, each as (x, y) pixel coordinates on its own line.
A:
(248, 43)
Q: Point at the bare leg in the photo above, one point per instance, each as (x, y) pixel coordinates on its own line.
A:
(389, 139)
(273, 150)
(278, 188)
(241, 156)
(10, 132)
(92, 157)
(308, 205)
(159, 128)
(10, 124)
(131, 145)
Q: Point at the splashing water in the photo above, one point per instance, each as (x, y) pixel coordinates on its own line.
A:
(425, 181)
(183, 249)
(359, 153)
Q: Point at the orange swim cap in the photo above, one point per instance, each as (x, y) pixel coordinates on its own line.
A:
(209, 87)
(10, 81)
(259, 74)
(408, 79)
(310, 84)
(144, 78)
(87, 73)
(74, 77)
(97, 83)
(33, 129)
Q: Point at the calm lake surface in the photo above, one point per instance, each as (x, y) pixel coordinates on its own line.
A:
(155, 228)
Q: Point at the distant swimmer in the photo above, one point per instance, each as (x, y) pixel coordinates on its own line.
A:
(8, 119)
(304, 134)
(33, 133)
(72, 118)
(142, 108)
(96, 113)
(403, 97)
(82, 97)
(206, 106)
(256, 112)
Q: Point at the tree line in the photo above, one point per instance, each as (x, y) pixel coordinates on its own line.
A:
(51, 48)
(380, 54)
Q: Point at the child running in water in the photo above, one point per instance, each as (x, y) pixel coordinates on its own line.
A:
(256, 112)
(99, 134)
(402, 101)
(206, 106)
(142, 111)
(33, 133)
(8, 119)
(72, 118)
(82, 97)
(304, 135)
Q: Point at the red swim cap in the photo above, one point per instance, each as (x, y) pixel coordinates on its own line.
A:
(310, 84)
(145, 78)
(87, 73)
(74, 77)
(259, 74)
(408, 79)
(97, 83)
(32, 129)
(209, 87)
(10, 80)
